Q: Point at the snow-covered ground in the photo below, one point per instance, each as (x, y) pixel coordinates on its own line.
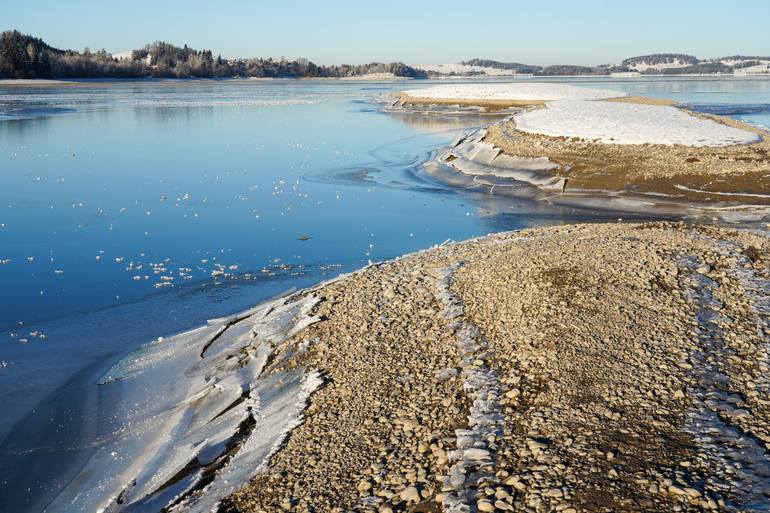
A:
(759, 69)
(644, 66)
(123, 55)
(733, 62)
(520, 91)
(626, 123)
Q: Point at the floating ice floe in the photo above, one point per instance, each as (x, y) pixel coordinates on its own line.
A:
(518, 91)
(627, 123)
(199, 414)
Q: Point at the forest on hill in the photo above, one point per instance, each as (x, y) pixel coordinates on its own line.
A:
(659, 63)
(25, 56)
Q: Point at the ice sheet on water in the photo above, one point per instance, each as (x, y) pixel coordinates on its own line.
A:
(198, 416)
(282, 398)
(161, 349)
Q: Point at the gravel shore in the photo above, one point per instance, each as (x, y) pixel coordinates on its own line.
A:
(613, 367)
(739, 173)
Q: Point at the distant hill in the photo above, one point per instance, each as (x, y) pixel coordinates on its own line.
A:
(653, 64)
(512, 66)
(568, 69)
(660, 61)
(740, 58)
(25, 56)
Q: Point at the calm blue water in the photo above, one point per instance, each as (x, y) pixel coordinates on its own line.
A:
(129, 212)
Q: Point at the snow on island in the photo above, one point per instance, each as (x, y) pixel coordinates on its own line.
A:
(520, 91)
(627, 123)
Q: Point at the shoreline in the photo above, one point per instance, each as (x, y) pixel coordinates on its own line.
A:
(474, 163)
(25, 82)
(296, 358)
(367, 440)
(398, 439)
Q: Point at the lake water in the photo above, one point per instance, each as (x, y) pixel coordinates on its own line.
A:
(131, 211)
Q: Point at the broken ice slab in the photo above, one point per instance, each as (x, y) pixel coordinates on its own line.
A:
(198, 416)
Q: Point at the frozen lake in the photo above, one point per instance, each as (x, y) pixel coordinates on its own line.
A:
(132, 211)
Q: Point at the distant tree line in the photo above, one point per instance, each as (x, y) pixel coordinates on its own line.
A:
(511, 66)
(25, 56)
(661, 58)
(702, 68)
(691, 65)
(530, 69)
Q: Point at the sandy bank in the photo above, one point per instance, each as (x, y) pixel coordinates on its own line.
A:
(576, 368)
(632, 151)
(737, 172)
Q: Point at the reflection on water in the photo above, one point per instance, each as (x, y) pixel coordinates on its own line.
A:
(131, 211)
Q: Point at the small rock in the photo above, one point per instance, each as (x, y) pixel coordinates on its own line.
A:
(515, 482)
(692, 492)
(485, 505)
(410, 495)
(675, 490)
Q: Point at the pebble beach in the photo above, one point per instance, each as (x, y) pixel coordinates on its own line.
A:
(614, 367)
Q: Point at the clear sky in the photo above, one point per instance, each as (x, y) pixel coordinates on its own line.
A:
(414, 31)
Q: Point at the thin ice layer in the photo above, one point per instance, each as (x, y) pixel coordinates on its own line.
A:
(198, 416)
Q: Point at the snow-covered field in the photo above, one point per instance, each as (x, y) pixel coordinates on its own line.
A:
(521, 91)
(626, 123)
(759, 69)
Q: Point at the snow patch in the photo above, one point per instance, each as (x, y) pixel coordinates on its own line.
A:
(626, 123)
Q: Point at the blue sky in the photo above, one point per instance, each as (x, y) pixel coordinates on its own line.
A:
(431, 31)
